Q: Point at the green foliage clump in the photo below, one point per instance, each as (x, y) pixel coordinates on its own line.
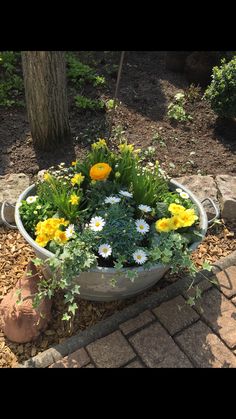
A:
(11, 83)
(32, 213)
(86, 103)
(80, 73)
(176, 110)
(221, 93)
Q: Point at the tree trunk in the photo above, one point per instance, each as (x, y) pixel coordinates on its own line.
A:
(46, 97)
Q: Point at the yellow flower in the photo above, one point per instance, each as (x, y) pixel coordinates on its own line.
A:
(176, 209)
(101, 143)
(47, 176)
(100, 171)
(188, 217)
(42, 240)
(176, 222)
(60, 237)
(77, 179)
(73, 163)
(74, 199)
(46, 230)
(126, 148)
(163, 225)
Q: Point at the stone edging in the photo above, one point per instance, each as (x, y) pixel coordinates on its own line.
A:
(109, 325)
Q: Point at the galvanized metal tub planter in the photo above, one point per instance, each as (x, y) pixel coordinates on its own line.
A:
(96, 283)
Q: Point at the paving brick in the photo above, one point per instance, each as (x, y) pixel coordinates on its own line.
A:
(157, 349)
(234, 301)
(204, 285)
(89, 366)
(111, 351)
(220, 314)
(77, 359)
(227, 281)
(175, 314)
(134, 364)
(137, 322)
(204, 348)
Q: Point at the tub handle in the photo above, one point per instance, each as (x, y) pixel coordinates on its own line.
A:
(3, 215)
(215, 208)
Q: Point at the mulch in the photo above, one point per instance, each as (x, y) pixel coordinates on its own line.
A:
(15, 254)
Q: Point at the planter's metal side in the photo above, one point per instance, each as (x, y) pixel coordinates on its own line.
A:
(96, 283)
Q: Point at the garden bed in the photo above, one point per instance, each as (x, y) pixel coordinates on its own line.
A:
(205, 145)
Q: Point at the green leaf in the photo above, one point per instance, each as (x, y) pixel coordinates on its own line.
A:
(69, 298)
(75, 290)
(191, 301)
(66, 317)
(131, 275)
(198, 292)
(37, 261)
(118, 266)
(207, 266)
(29, 273)
(113, 282)
(72, 308)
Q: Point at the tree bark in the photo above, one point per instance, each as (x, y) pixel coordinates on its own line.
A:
(46, 97)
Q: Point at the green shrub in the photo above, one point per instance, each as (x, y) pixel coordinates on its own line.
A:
(83, 102)
(176, 110)
(11, 83)
(221, 93)
(80, 73)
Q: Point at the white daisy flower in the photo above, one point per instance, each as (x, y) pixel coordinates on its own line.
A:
(126, 194)
(104, 250)
(31, 199)
(97, 223)
(18, 204)
(70, 231)
(179, 190)
(184, 195)
(112, 200)
(142, 227)
(139, 256)
(145, 208)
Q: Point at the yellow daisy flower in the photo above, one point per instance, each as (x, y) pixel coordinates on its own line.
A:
(176, 209)
(74, 199)
(163, 225)
(77, 179)
(188, 217)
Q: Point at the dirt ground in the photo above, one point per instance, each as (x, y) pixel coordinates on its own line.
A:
(206, 145)
(146, 89)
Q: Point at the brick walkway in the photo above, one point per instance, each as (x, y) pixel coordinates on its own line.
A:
(171, 335)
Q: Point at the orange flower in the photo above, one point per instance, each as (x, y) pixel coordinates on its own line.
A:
(100, 171)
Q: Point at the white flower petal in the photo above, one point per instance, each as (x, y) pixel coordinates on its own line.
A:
(126, 194)
(139, 256)
(184, 195)
(112, 200)
(70, 231)
(179, 190)
(97, 223)
(104, 250)
(141, 226)
(31, 199)
(145, 208)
